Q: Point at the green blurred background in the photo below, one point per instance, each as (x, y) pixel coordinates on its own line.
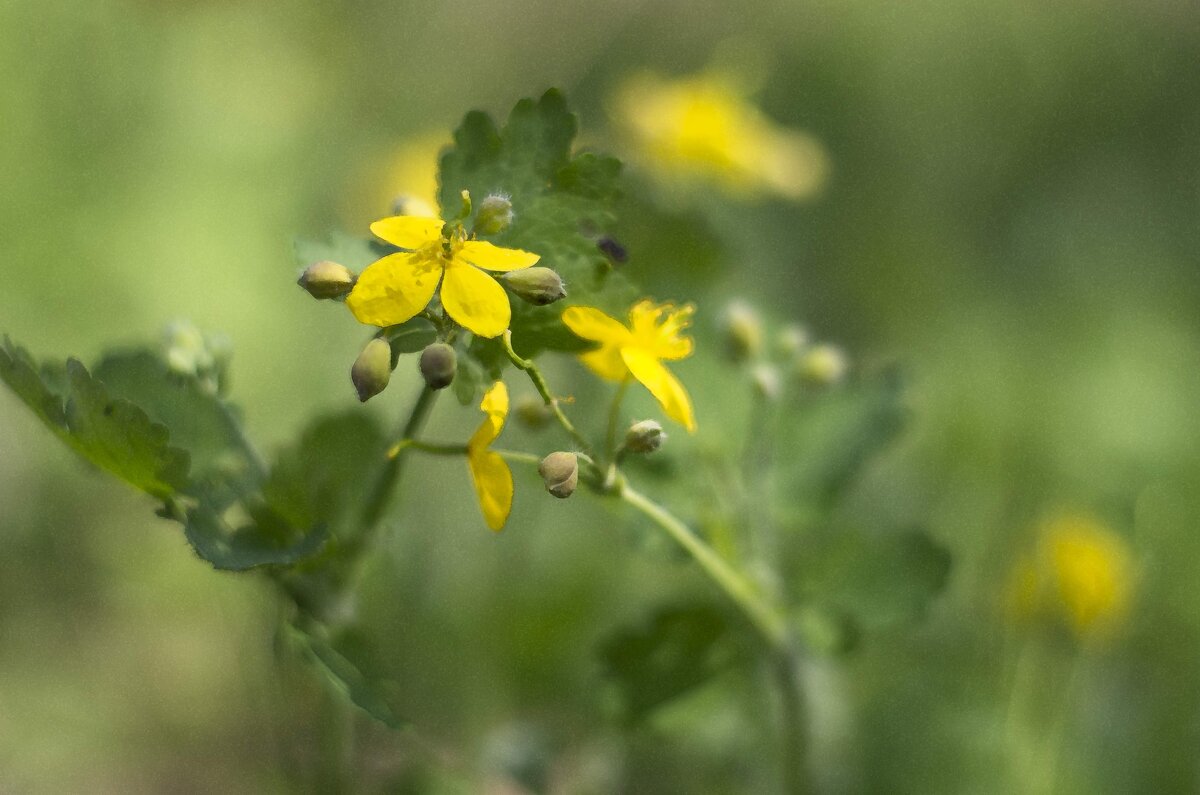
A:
(1012, 215)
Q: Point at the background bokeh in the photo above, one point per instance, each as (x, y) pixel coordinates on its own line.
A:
(1012, 215)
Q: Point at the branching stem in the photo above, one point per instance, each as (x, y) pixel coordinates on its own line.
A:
(543, 389)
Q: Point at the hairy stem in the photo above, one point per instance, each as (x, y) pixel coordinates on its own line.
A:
(543, 389)
(763, 616)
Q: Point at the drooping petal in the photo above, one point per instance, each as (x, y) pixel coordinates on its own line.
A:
(659, 328)
(493, 486)
(394, 289)
(665, 387)
(475, 300)
(408, 231)
(483, 254)
(495, 406)
(592, 324)
(606, 362)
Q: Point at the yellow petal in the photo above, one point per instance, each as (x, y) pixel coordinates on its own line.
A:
(592, 324)
(658, 328)
(408, 231)
(475, 300)
(482, 254)
(666, 389)
(495, 406)
(493, 486)
(394, 289)
(606, 362)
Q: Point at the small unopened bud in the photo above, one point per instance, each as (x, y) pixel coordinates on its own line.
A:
(495, 215)
(532, 412)
(743, 331)
(766, 382)
(790, 341)
(372, 369)
(646, 436)
(613, 250)
(438, 363)
(823, 365)
(560, 472)
(326, 279)
(538, 286)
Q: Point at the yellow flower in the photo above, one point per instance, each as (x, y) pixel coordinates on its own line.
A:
(653, 336)
(397, 287)
(704, 125)
(1082, 573)
(489, 472)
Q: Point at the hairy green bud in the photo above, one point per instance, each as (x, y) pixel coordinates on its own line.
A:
(372, 369)
(823, 365)
(646, 436)
(495, 215)
(438, 363)
(539, 286)
(560, 472)
(532, 412)
(743, 331)
(326, 279)
(791, 340)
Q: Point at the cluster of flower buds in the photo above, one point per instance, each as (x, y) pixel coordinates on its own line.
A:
(792, 354)
(192, 353)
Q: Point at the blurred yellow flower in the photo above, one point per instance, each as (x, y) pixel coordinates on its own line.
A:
(411, 178)
(1082, 573)
(705, 125)
(654, 335)
(397, 287)
(489, 472)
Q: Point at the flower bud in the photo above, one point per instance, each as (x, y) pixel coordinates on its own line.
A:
(766, 382)
(743, 331)
(532, 412)
(538, 286)
(326, 279)
(791, 340)
(646, 436)
(404, 204)
(823, 365)
(560, 471)
(495, 215)
(438, 363)
(372, 369)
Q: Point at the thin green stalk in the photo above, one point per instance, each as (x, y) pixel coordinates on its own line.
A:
(614, 421)
(765, 618)
(543, 389)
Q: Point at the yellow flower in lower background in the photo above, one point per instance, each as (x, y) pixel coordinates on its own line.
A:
(489, 472)
(704, 125)
(394, 289)
(1082, 573)
(654, 335)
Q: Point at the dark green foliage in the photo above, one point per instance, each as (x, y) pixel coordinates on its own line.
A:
(675, 651)
(562, 204)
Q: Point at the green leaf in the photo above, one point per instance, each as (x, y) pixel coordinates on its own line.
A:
(344, 676)
(111, 433)
(562, 204)
(250, 546)
(878, 579)
(468, 380)
(838, 432)
(323, 479)
(677, 650)
(198, 421)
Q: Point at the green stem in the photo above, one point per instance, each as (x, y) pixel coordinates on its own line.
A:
(543, 389)
(614, 420)
(385, 482)
(765, 618)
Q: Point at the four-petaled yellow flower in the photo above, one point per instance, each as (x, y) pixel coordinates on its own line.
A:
(704, 125)
(1082, 573)
(490, 473)
(654, 335)
(397, 287)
